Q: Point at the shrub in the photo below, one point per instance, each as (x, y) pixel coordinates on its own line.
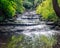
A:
(6, 9)
(28, 4)
(48, 42)
(19, 4)
(10, 11)
(46, 10)
(15, 42)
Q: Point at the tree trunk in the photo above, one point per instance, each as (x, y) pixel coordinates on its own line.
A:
(56, 7)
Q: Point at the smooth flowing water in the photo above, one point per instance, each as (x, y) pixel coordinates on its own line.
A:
(35, 35)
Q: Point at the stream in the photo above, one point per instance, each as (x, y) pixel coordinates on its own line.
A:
(28, 35)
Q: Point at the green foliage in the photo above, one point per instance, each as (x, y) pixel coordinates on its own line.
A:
(19, 4)
(15, 41)
(37, 2)
(10, 11)
(36, 41)
(48, 42)
(7, 9)
(28, 4)
(59, 2)
(46, 10)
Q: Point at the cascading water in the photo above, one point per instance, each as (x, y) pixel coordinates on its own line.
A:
(34, 34)
(37, 26)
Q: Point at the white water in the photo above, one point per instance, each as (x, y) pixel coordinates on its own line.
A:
(31, 33)
(40, 28)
